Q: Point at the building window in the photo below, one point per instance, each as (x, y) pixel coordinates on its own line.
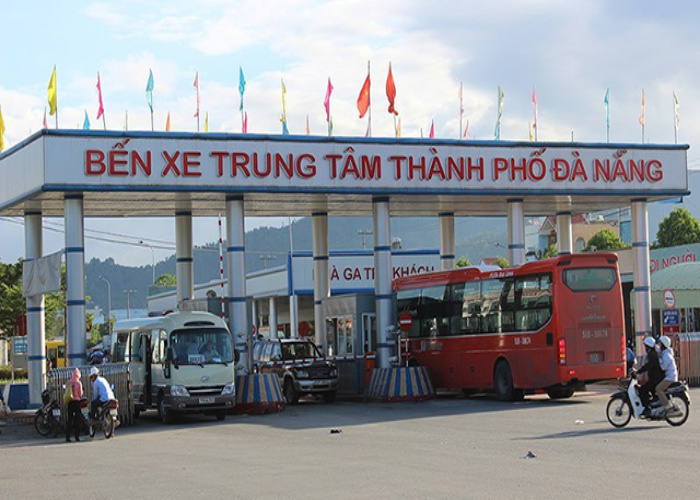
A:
(580, 244)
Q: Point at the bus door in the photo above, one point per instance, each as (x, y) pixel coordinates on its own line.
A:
(146, 341)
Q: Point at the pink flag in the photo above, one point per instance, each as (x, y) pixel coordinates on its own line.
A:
(245, 123)
(432, 129)
(46, 125)
(101, 109)
(466, 131)
(327, 101)
(196, 86)
(534, 103)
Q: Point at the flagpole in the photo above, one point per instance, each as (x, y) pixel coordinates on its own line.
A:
(104, 122)
(461, 109)
(152, 129)
(370, 106)
(242, 121)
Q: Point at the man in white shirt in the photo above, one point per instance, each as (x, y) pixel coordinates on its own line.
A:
(101, 391)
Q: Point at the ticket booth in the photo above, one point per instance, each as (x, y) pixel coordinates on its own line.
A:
(351, 336)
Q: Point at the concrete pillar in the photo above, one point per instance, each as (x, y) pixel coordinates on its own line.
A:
(75, 279)
(254, 312)
(382, 281)
(641, 272)
(564, 234)
(184, 263)
(235, 260)
(319, 232)
(516, 232)
(273, 317)
(36, 335)
(447, 240)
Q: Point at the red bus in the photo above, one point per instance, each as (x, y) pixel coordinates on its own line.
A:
(550, 325)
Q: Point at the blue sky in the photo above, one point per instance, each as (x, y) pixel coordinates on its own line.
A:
(570, 50)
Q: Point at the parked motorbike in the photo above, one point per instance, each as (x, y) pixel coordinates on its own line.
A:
(47, 419)
(107, 419)
(626, 403)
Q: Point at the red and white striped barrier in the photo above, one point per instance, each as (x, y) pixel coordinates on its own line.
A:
(308, 361)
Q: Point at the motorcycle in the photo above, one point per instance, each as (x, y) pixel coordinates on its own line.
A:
(107, 419)
(626, 403)
(47, 419)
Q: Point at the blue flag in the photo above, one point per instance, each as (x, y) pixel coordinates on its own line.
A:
(86, 122)
(149, 90)
(241, 85)
(606, 101)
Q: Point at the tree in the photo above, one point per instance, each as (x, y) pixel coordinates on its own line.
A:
(605, 240)
(679, 228)
(502, 262)
(166, 280)
(463, 262)
(12, 304)
(550, 252)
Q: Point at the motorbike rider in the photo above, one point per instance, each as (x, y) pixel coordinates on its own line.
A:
(654, 373)
(74, 416)
(667, 363)
(101, 391)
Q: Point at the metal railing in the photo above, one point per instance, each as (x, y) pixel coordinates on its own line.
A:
(117, 374)
(686, 347)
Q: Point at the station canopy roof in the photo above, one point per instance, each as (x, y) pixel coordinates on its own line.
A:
(143, 174)
(682, 279)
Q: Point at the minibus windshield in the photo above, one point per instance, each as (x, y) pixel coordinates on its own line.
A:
(200, 346)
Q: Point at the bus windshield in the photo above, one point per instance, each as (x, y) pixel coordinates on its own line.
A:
(199, 346)
(590, 279)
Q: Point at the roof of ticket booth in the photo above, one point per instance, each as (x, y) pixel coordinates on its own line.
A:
(142, 174)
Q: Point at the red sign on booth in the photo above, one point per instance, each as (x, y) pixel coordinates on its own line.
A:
(21, 325)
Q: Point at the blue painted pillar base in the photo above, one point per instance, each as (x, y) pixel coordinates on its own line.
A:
(257, 394)
(400, 384)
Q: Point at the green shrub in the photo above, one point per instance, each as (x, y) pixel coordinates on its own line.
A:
(5, 372)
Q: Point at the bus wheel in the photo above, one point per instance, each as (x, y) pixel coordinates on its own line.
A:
(560, 392)
(503, 383)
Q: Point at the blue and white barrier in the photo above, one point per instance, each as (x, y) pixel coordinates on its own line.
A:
(258, 393)
(400, 383)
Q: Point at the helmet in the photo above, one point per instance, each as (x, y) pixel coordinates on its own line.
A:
(665, 341)
(649, 342)
(94, 371)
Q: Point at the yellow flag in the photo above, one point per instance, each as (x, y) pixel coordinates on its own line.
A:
(2, 131)
(52, 94)
(206, 123)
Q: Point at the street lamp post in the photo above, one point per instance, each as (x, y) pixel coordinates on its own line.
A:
(128, 294)
(153, 260)
(108, 316)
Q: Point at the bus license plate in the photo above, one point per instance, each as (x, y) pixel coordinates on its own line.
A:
(56, 412)
(206, 401)
(114, 413)
(596, 357)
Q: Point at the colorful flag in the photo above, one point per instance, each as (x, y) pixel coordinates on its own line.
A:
(52, 93)
(245, 123)
(676, 109)
(86, 122)
(644, 107)
(529, 131)
(363, 98)
(206, 122)
(2, 131)
(606, 101)
(167, 123)
(391, 91)
(46, 124)
(534, 103)
(101, 109)
(466, 131)
(283, 119)
(149, 90)
(196, 86)
(432, 129)
(327, 100)
(241, 86)
(497, 132)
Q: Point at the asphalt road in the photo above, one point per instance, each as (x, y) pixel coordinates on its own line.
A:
(445, 448)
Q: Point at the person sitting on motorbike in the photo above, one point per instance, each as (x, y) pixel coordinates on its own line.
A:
(101, 391)
(667, 363)
(654, 373)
